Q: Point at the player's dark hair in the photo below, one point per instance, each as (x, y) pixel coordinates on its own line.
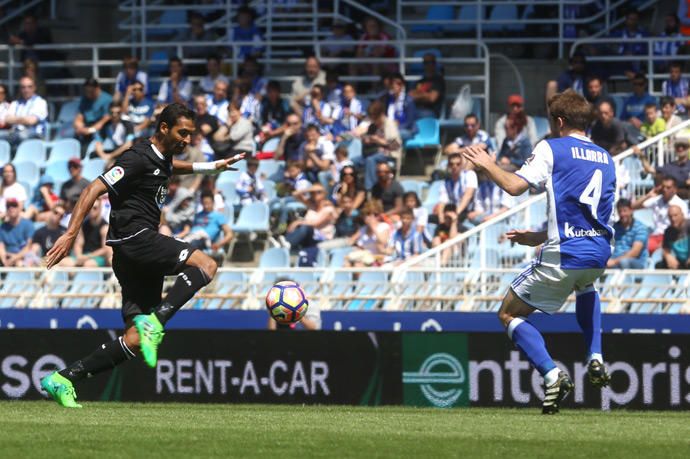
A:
(207, 194)
(471, 115)
(623, 202)
(667, 100)
(572, 108)
(172, 113)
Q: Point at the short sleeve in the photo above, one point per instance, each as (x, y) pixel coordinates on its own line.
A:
(328, 150)
(471, 179)
(40, 109)
(124, 172)
(539, 166)
(641, 233)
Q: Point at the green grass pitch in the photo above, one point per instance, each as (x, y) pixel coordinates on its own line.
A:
(43, 429)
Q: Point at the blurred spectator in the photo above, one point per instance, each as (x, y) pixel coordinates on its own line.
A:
(30, 69)
(473, 135)
(630, 240)
(669, 48)
(217, 102)
(44, 237)
(421, 215)
(633, 106)
(596, 93)
(317, 152)
(338, 33)
(208, 226)
(128, 76)
(353, 111)
(15, 235)
(490, 200)
(291, 139)
(407, 242)
(234, 137)
(371, 241)
(334, 88)
(250, 187)
(676, 86)
(192, 154)
(628, 47)
(380, 141)
(274, 111)
(213, 74)
(195, 33)
(387, 190)
(373, 32)
(301, 87)
(246, 31)
(137, 108)
(249, 105)
(27, 116)
(516, 147)
(295, 179)
(659, 199)
(401, 108)
(574, 77)
(318, 111)
(179, 214)
(458, 188)
(93, 111)
(90, 250)
(43, 201)
(668, 108)
(11, 189)
(4, 105)
(448, 227)
(349, 186)
(318, 223)
(429, 92)
(206, 125)
(176, 88)
(679, 169)
(515, 105)
(607, 131)
(347, 222)
(75, 186)
(675, 244)
(119, 132)
(251, 71)
(653, 124)
(32, 34)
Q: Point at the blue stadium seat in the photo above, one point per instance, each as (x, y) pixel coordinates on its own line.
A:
(271, 145)
(93, 168)
(29, 173)
(268, 167)
(64, 150)
(65, 119)
(85, 283)
(14, 286)
(56, 285)
(275, 257)
(435, 13)
(58, 171)
(253, 218)
(227, 283)
(369, 283)
(432, 195)
(5, 150)
(337, 256)
(229, 212)
(542, 125)
(466, 13)
(229, 177)
(270, 190)
(645, 216)
(341, 286)
(31, 151)
(173, 18)
(229, 192)
(504, 13)
(414, 185)
(428, 134)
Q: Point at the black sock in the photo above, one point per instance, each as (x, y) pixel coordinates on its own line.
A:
(188, 282)
(106, 357)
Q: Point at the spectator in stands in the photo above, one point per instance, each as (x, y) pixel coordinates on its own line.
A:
(128, 76)
(301, 87)
(429, 92)
(138, 109)
(380, 141)
(195, 33)
(448, 227)
(349, 186)
(371, 241)
(90, 249)
(294, 179)
(178, 215)
(15, 235)
(11, 189)
(250, 70)
(407, 242)
(4, 105)
(234, 137)
(607, 131)
(347, 222)
(208, 226)
(249, 105)
(342, 159)
(458, 188)
(353, 112)
(676, 86)
(250, 187)
(246, 31)
(628, 47)
(318, 112)
(421, 216)
(388, 191)
(679, 169)
(596, 93)
(339, 33)
(633, 106)
(401, 108)
(490, 200)
(574, 77)
(274, 111)
(93, 112)
(317, 152)
(318, 223)
(75, 186)
(44, 237)
(30, 69)
(217, 102)
(334, 88)
(32, 34)
(675, 244)
(659, 199)
(516, 147)
(668, 108)
(206, 125)
(43, 201)
(630, 239)
(213, 74)
(653, 124)
(515, 105)
(176, 88)
(668, 48)
(27, 116)
(119, 133)
(473, 135)
(373, 32)
(291, 139)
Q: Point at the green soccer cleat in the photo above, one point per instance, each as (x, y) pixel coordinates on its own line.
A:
(61, 389)
(151, 334)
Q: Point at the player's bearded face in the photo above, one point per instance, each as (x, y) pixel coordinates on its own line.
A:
(177, 138)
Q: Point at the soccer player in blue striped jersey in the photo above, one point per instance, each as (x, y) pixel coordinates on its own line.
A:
(580, 182)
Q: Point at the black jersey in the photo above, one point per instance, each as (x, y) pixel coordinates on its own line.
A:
(137, 186)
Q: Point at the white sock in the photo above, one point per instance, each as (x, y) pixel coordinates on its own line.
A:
(552, 376)
(596, 357)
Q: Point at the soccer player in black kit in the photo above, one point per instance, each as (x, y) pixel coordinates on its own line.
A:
(137, 186)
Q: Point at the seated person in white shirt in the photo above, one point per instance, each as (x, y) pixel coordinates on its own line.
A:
(217, 102)
(474, 135)
(10, 188)
(458, 188)
(27, 116)
(176, 88)
(489, 201)
(249, 187)
(213, 66)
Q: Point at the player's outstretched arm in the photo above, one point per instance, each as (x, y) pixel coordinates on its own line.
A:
(508, 181)
(63, 245)
(213, 167)
(526, 237)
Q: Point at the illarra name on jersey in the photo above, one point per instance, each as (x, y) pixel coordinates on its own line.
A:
(589, 155)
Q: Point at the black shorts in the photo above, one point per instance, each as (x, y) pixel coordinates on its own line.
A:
(140, 265)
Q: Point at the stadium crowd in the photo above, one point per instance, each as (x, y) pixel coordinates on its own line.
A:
(325, 161)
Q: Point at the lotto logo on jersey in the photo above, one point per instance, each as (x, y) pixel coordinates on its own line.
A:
(572, 232)
(114, 175)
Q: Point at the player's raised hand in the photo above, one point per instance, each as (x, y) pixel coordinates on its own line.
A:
(526, 237)
(226, 164)
(477, 156)
(60, 250)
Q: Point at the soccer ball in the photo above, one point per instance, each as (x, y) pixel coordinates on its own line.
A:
(286, 302)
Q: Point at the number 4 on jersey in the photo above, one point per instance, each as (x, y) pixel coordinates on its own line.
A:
(592, 193)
